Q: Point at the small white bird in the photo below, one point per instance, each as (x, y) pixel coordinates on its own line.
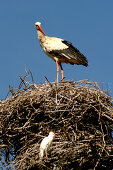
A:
(45, 144)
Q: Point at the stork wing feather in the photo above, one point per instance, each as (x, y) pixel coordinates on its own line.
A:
(71, 54)
(74, 53)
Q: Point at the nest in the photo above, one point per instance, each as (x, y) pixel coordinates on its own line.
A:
(79, 113)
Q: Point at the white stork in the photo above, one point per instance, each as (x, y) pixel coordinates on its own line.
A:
(45, 144)
(61, 51)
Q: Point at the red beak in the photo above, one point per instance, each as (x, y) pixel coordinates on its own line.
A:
(40, 28)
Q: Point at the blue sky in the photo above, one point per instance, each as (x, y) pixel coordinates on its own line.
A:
(87, 24)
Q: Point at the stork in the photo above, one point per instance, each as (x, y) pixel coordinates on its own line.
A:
(45, 144)
(60, 50)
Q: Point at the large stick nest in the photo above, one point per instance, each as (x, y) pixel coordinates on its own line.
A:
(79, 113)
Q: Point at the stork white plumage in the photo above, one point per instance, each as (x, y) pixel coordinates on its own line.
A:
(45, 144)
(61, 51)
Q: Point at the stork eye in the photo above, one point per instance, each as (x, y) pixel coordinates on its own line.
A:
(37, 26)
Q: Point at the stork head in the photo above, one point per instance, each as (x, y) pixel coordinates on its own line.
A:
(38, 27)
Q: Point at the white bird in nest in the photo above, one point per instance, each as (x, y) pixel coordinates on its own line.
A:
(45, 144)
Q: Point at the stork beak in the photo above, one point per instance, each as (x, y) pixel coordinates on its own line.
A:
(40, 28)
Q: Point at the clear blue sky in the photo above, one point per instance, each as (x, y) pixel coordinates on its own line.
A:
(87, 24)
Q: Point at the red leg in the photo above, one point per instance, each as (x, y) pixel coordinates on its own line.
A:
(57, 64)
(62, 71)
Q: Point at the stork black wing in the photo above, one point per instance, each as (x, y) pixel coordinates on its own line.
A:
(74, 53)
(70, 54)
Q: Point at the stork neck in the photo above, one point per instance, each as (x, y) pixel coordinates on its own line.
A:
(40, 35)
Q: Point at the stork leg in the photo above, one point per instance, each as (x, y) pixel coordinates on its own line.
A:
(57, 64)
(62, 71)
